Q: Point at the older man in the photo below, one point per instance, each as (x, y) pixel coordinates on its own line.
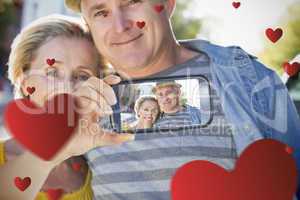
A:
(137, 39)
(173, 112)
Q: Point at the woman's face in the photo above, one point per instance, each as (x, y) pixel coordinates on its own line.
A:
(75, 62)
(148, 111)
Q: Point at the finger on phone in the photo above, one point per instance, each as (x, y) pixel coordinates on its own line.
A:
(112, 79)
(103, 88)
(111, 138)
(91, 101)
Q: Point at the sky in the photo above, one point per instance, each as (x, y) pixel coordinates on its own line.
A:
(245, 26)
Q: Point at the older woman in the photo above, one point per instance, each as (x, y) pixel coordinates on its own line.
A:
(56, 55)
(147, 111)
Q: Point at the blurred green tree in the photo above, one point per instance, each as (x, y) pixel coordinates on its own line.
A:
(8, 18)
(7, 15)
(183, 26)
(274, 55)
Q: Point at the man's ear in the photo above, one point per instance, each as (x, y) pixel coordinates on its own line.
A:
(170, 7)
(178, 91)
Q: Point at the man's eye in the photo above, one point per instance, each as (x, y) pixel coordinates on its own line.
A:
(102, 13)
(135, 1)
(132, 2)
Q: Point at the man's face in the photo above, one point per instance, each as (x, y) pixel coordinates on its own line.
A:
(168, 98)
(113, 24)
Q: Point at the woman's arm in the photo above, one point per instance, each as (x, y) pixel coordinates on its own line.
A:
(85, 139)
(62, 176)
(29, 165)
(25, 165)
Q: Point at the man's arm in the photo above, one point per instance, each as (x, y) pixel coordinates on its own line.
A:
(281, 120)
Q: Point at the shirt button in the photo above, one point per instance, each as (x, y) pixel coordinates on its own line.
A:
(239, 57)
(247, 127)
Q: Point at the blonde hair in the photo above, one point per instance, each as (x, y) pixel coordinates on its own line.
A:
(28, 41)
(74, 5)
(141, 100)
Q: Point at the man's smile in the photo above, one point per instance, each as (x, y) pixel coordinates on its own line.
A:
(126, 42)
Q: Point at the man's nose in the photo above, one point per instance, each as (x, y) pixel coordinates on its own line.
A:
(121, 23)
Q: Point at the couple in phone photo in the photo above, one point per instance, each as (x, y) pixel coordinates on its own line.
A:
(165, 109)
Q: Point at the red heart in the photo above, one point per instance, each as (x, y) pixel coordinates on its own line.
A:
(30, 90)
(236, 4)
(289, 150)
(141, 24)
(50, 61)
(159, 8)
(43, 130)
(22, 184)
(274, 36)
(55, 194)
(76, 166)
(291, 69)
(264, 171)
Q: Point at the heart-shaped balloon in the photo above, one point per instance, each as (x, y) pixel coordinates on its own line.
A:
(141, 24)
(264, 171)
(236, 4)
(274, 36)
(42, 130)
(22, 184)
(30, 90)
(291, 69)
(159, 7)
(50, 61)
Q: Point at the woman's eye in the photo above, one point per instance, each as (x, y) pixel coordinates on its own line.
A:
(83, 77)
(102, 13)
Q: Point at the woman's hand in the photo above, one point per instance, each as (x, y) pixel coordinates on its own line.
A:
(95, 98)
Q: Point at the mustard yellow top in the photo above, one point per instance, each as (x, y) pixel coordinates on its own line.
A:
(84, 193)
(2, 154)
